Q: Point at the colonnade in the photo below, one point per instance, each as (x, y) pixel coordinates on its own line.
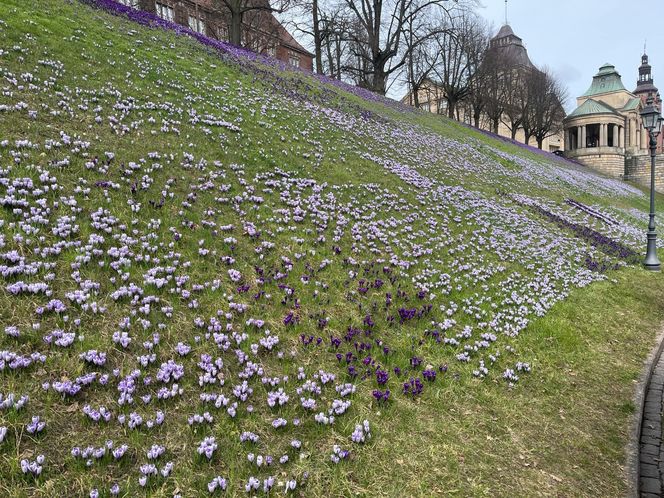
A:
(607, 135)
(586, 136)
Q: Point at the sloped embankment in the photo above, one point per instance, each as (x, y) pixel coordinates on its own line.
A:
(217, 273)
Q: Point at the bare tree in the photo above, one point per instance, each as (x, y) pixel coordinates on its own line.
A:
(492, 89)
(422, 56)
(460, 41)
(323, 23)
(515, 97)
(334, 29)
(545, 111)
(376, 36)
(316, 34)
(475, 103)
(237, 12)
(260, 31)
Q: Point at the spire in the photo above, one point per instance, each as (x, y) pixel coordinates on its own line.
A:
(506, 20)
(645, 83)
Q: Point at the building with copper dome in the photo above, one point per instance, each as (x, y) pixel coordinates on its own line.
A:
(605, 132)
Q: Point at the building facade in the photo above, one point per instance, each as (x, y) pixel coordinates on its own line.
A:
(262, 32)
(430, 98)
(605, 132)
(506, 46)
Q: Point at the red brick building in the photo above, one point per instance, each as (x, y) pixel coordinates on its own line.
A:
(262, 32)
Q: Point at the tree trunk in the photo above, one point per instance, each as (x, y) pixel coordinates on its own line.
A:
(451, 106)
(540, 143)
(513, 131)
(330, 60)
(495, 125)
(338, 42)
(318, 51)
(476, 118)
(414, 87)
(235, 28)
(379, 83)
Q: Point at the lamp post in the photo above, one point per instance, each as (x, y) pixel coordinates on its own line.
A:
(652, 121)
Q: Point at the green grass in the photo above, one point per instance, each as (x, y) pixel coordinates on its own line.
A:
(560, 431)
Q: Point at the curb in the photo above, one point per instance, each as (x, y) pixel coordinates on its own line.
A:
(633, 466)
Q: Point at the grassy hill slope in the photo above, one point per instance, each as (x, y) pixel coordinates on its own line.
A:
(213, 266)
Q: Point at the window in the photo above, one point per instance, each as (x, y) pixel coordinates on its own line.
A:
(271, 51)
(425, 106)
(165, 12)
(294, 60)
(130, 3)
(222, 32)
(196, 24)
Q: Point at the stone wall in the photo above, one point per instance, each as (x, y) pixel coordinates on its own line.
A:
(637, 170)
(607, 160)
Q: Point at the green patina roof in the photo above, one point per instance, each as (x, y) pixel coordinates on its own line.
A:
(590, 107)
(631, 104)
(606, 81)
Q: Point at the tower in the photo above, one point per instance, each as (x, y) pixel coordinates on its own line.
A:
(510, 47)
(645, 84)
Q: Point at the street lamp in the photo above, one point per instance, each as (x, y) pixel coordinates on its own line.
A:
(652, 121)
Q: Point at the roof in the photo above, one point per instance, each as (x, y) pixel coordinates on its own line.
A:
(514, 53)
(590, 107)
(287, 39)
(631, 104)
(607, 80)
(645, 87)
(506, 30)
(510, 47)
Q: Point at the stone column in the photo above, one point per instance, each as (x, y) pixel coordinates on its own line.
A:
(582, 140)
(621, 136)
(602, 134)
(616, 134)
(585, 136)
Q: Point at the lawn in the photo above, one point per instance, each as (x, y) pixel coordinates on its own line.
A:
(222, 276)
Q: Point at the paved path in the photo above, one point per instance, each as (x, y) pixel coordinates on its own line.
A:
(651, 468)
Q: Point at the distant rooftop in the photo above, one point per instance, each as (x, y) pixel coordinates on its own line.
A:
(607, 80)
(506, 30)
(590, 107)
(645, 84)
(510, 46)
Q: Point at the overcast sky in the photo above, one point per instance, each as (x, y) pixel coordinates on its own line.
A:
(575, 37)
